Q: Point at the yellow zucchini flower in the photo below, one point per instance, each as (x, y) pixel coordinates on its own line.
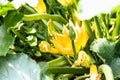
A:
(65, 2)
(41, 7)
(94, 75)
(63, 44)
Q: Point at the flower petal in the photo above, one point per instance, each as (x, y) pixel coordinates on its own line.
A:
(40, 8)
(62, 50)
(63, 39)
(93, 69)
(81, 38)
(44, 46)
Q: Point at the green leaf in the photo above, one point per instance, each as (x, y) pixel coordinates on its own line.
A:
(117, 47)
(104, 48)
(115, 65)
(5, 8)
(12, 19)
(19, 67)
(6, 40)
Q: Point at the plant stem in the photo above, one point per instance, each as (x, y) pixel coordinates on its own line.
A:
(61, 61)
(107, 71)
(117, 26)
(68, 59)
(74, 50)
(29, 8)
(88, 29)
(82, 77)
(64, 77)
(105, 27)
(45, 16)
(99, 32)
(68, 70)
(107, 20)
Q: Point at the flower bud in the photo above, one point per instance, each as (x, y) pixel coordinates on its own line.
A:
(83, 60)
(44, 46)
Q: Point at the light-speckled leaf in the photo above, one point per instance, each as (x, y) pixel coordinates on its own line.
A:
(115, 65)
(6, 40)
(104, 48)
(18, 67)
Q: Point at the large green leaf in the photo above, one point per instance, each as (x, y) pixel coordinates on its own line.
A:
(6, 40)
(104, 48)
(115, 65)
(19, 67)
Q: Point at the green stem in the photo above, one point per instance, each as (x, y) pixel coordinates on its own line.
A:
(45, 16)
(68, 70)
(68, 59)
(74, 50)
(75, 3)
(107, 20)
(29, 8)
(61, 61)
(117, 26)
(82, 77)
(107, 71)
(102, 17)
(88, 29)
(99, 32)
(64, 77)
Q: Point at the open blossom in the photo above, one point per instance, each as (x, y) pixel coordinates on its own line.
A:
(63, 44)
(89, 8)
